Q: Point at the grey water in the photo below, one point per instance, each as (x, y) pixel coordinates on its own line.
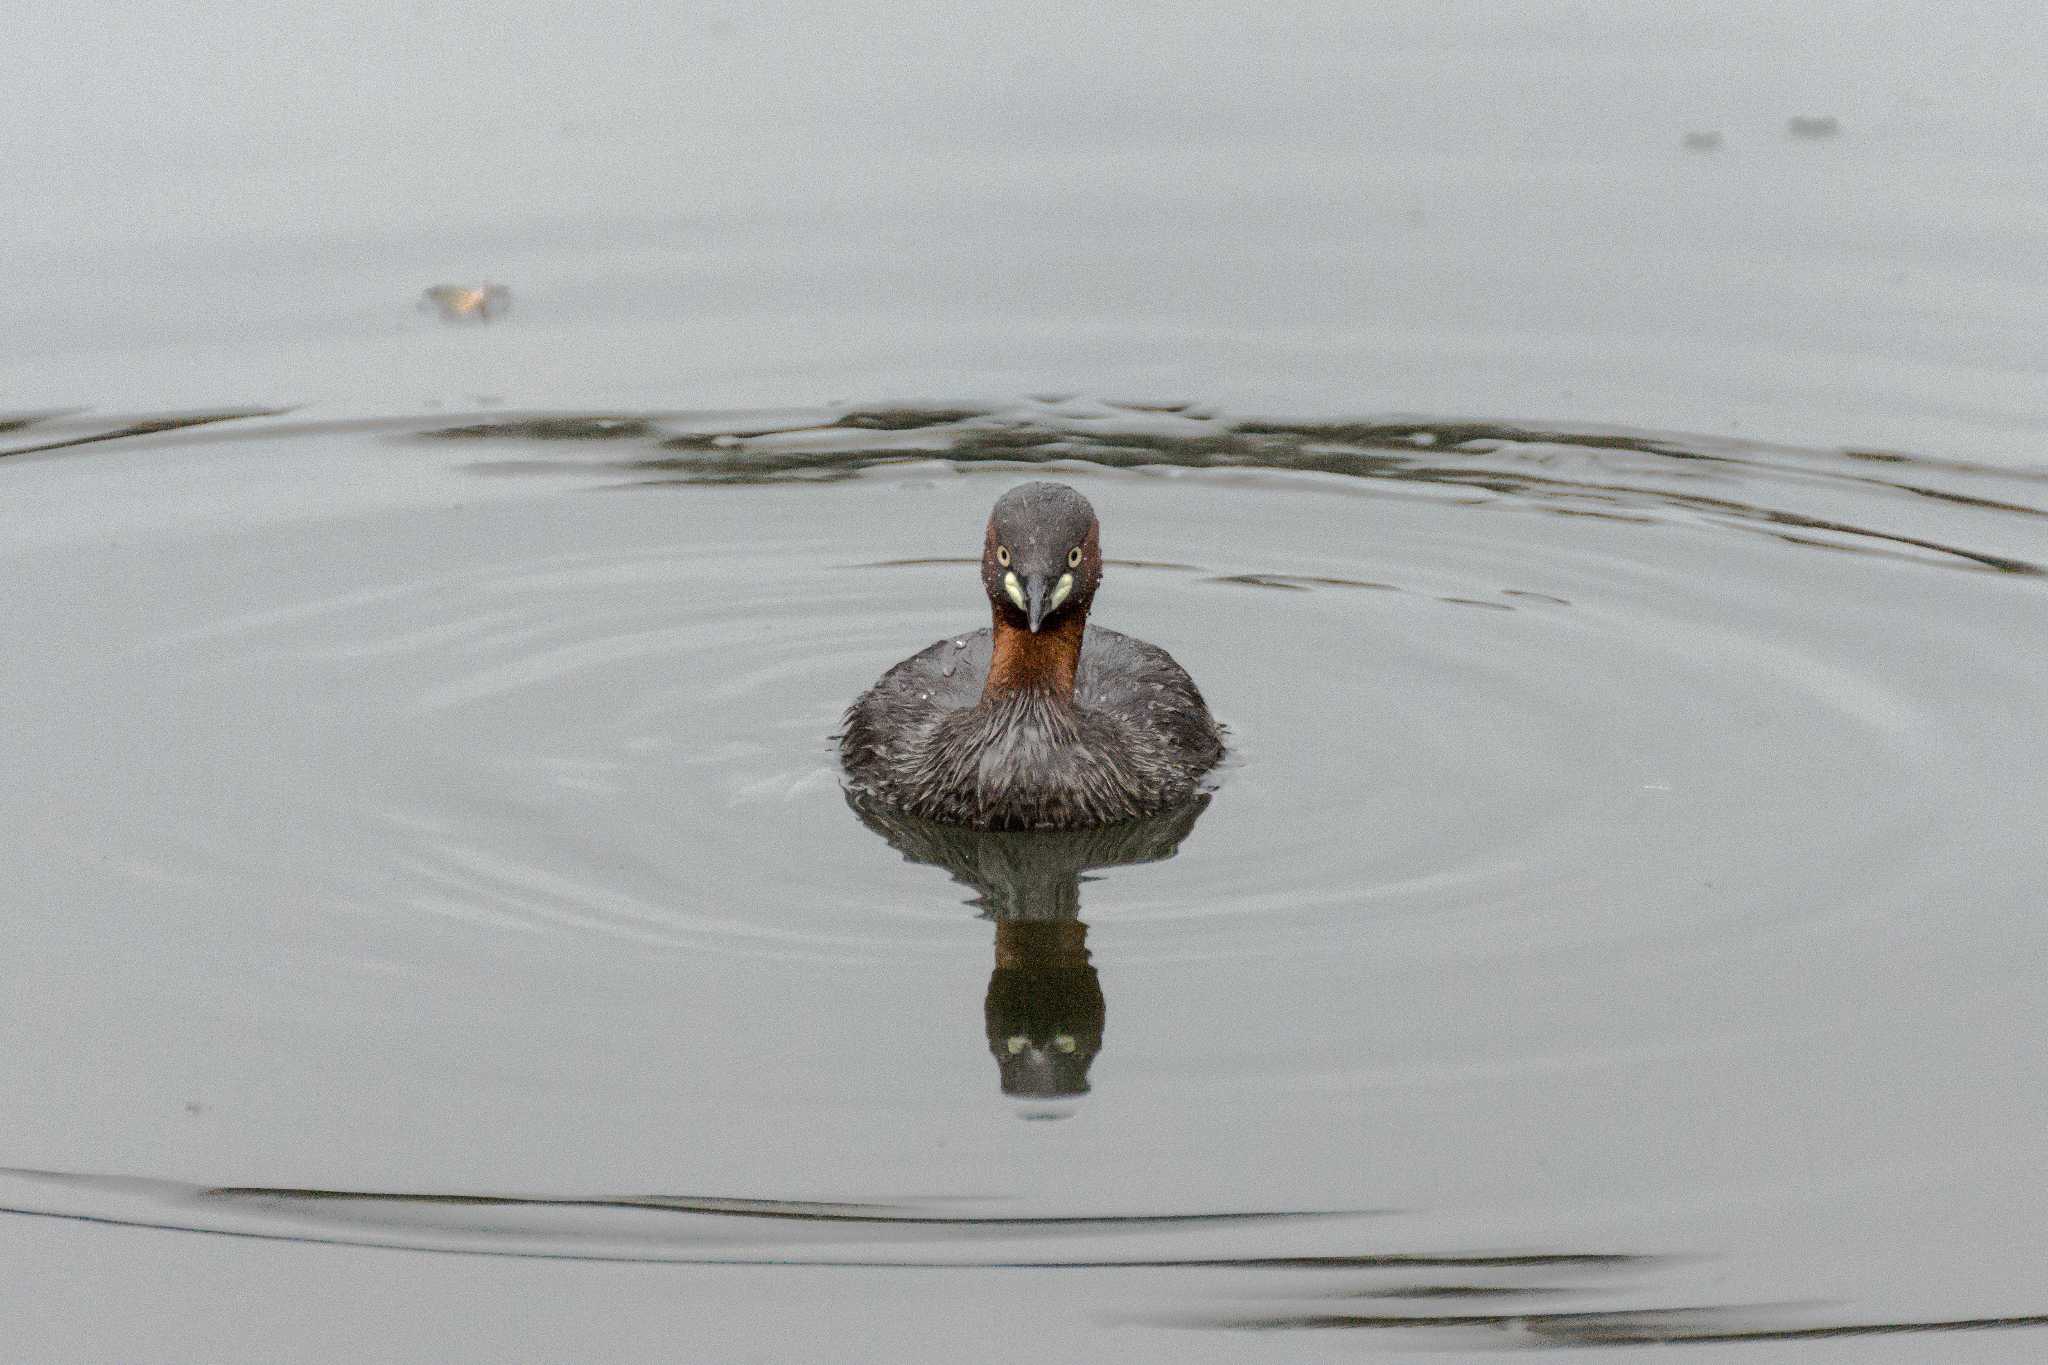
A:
(1589, 454)
(1617, 921)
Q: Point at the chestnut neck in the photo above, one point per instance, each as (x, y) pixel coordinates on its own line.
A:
(1041, 664)
(1041, 945)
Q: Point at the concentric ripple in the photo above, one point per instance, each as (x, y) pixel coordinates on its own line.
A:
(1609, 815)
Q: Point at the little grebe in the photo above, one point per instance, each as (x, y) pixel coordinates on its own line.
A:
(1043, 721)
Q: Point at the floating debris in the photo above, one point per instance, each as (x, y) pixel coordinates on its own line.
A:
(466, 303)
(1704, 140)
(1812, 126)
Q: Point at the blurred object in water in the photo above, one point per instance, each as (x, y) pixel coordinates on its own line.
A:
(1701, 141)
(462, 302)
(1812, 125)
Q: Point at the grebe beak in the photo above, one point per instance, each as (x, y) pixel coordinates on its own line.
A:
(1036, 605)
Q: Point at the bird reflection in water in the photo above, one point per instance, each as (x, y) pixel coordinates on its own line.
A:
(1045, 1009)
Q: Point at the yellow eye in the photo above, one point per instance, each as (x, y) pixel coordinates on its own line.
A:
(1074, 558)
(1002, 556)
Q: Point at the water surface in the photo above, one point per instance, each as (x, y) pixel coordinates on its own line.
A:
(1615, 924)
(1590, 453)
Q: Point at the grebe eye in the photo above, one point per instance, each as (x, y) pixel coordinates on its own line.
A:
(1074, 558)
(1002, 556)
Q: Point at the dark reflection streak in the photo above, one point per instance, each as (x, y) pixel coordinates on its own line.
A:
(779, 466)
(2000, 563)
(1401, 435)
(149, 427)
(1296, 582)
(1455, 1291)
(972, 428)
(1959, 499)
(1864, 480)
(1738, 515)
(1623, 1337)
(495, 423)
(909, 418)
(1291, 580)
(1393, 1260)
(844, 1263)
(655, 426)
(1738, 512)
(1816, 543)
(794, 471)
(1632, 1327)
(1867, 481)
(985, 433)
(563, 428)
(367, 1243)
(1626, 518)
(1973, 561)
(1482, 435)
(22, 421)
(1383, 434)
(747, 1209)
(1264, 447)
(1970, 467)
(1153, 564)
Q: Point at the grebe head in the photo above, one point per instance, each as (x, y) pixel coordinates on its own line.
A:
(1042, 559)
